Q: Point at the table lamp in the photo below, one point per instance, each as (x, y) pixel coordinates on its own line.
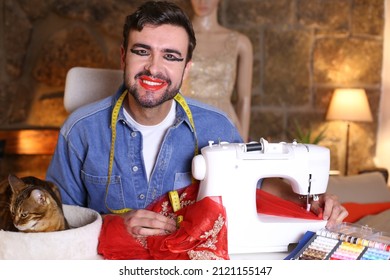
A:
(349, 104)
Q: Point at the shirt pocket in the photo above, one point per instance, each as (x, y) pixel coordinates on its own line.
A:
(102, 198)
(182, 180)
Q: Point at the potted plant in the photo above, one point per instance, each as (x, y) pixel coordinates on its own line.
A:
(306, 136)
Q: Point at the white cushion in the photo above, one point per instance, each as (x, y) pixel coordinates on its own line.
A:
(85, 85)
(363, 188)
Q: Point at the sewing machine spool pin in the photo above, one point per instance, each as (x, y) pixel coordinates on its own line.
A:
(252, 147)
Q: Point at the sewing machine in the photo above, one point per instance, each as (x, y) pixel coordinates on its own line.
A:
(233, 171)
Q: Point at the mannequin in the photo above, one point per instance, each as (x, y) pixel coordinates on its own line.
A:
(222, 62)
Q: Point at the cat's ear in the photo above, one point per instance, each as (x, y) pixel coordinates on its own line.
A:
(55, 189)
(16, 183)
(39, 197)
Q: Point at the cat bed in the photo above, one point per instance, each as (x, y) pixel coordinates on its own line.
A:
(79, 242)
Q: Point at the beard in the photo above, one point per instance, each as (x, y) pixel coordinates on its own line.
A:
(149, 100)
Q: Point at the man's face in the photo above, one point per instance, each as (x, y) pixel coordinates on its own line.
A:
(154, 63)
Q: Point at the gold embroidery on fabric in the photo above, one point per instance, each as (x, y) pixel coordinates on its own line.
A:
(211, 235)
(183, 202)
(211, 240)
(165, 209)
(203, 255)
(142, 241)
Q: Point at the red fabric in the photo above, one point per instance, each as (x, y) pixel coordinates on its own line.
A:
(359, 210)
(115, 243)
(202, 233)
(190, 241)
(272, 205)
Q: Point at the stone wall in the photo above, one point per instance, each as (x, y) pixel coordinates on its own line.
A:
(303, 50)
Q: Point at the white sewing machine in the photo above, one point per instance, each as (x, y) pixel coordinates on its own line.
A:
(233, 171)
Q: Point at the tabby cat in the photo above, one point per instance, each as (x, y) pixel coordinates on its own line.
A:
(29, 204)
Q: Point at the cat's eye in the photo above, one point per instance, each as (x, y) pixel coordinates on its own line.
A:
(24, 214)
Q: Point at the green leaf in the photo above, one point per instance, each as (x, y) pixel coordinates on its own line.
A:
(306, 136)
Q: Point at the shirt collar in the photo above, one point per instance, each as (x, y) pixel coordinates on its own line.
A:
(181, 115)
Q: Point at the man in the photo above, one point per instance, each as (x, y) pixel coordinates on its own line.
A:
(120, 154)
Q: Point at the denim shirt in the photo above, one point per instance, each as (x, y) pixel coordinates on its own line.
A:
(80, 163)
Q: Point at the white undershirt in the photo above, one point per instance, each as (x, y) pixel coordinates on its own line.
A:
(152, 136)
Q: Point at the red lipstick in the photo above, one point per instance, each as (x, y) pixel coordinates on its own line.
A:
(149, 83)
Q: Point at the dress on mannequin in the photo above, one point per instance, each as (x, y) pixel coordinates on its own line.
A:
(212, 79)
(222, 65)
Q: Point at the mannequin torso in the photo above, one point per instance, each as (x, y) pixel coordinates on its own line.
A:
(213, 72)
(221, 65)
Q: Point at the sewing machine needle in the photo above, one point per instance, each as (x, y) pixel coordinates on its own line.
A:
(308, 203)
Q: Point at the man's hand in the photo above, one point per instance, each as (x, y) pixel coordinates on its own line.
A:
(144, 223)
(329, 207)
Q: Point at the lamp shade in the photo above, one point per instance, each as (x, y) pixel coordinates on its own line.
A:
(349, 104)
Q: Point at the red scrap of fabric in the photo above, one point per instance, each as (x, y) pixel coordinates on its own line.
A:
(202, 233)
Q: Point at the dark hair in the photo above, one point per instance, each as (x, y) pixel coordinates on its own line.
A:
(157, 13)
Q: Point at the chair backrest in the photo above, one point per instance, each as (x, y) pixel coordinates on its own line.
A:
(85, 85)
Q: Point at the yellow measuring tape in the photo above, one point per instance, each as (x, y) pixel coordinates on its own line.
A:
(114, 118)
(175, 202)
(180, 99)
(173, 195)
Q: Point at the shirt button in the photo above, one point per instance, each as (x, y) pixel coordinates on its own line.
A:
(141, 196)
(133, 134)
(135, 168)
(154, 193)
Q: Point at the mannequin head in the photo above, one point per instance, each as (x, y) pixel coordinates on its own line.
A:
(203, 8)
